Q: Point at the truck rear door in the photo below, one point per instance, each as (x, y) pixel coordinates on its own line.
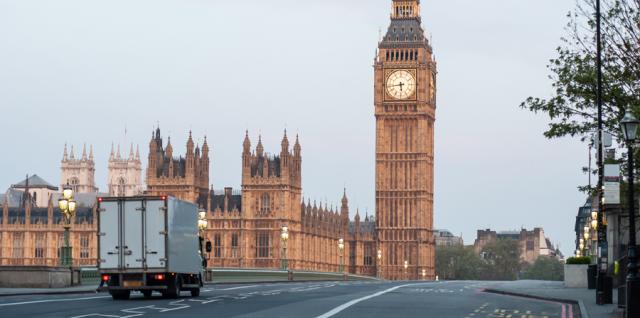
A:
(155, 233)
(133, 234)
(109, 235)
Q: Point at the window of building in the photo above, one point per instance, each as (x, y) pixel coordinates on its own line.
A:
(262, 245)
(17, 251)
(368, 255)
(265, 204)
(84, 246)
(234, 245)
(121, 187)
(217, 246)
(39, 248)
(74, 182)
(530, 246)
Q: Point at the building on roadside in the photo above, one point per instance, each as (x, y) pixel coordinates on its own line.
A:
(186, 178)
(31, 233)
(532, 243)
(446, 238)
(245, 225)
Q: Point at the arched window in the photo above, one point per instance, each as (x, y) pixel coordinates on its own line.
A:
(265, 204)
(120, 191)
(74, 182)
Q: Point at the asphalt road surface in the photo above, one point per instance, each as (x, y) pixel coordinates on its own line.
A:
(313, 300)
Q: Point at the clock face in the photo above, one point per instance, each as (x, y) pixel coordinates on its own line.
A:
(401, 84)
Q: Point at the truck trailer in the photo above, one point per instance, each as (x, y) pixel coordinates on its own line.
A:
(149, 244)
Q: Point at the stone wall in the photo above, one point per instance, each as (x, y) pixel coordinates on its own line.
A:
(575, 276)
(34, 277)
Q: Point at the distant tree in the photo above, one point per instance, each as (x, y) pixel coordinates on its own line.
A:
(545, 268)
(503, 257)
(458, 263)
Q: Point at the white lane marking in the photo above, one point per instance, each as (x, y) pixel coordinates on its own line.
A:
(239, 287)
(51, 301)
(344, 306)
(96, 315)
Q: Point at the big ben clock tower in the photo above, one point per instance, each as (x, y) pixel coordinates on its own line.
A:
(405, 105)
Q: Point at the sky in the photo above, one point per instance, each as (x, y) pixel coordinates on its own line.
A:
(103, 72)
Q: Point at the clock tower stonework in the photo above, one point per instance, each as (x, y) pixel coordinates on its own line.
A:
(405, 105)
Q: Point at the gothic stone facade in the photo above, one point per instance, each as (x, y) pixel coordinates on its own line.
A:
(78, 173)
(31, 235)
(125, 173)
(184, 178)
(405, 104)
(245, 227)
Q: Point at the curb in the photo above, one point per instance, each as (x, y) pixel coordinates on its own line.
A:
(65, 292)
(579, 304)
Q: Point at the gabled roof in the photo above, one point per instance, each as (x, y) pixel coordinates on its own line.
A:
(34, 182)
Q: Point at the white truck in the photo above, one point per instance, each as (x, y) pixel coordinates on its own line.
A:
(149, 244)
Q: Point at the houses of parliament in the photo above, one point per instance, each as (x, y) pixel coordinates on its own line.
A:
(244, 224)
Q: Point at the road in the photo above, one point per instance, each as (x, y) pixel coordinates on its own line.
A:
(314, 300)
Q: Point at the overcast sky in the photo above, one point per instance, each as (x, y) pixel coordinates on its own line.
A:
(81, 71)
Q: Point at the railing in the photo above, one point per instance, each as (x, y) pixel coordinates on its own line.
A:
(248, 275)
(43, 261)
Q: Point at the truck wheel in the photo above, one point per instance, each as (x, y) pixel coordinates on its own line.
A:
(147, 293)
(195, 292)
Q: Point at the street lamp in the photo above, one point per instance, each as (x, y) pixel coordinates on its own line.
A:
(629, 130)
(424, 274)
(586, 234)
(67, 207)
(379, 262)
(284, 236)
(406, 265)
(341, 250)
(202, 226)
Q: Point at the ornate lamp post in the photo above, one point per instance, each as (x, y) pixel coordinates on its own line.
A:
(202, 226)
(406, 265)
(587, 243)
(341, 250)
(379, 263)
(67, 207)
(284, 236)
(629, 129)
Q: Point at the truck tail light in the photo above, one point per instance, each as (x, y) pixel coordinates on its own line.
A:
(158, 277)
(105, 278)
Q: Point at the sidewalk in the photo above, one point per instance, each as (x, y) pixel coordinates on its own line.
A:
(83, 289)
(555, 290)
